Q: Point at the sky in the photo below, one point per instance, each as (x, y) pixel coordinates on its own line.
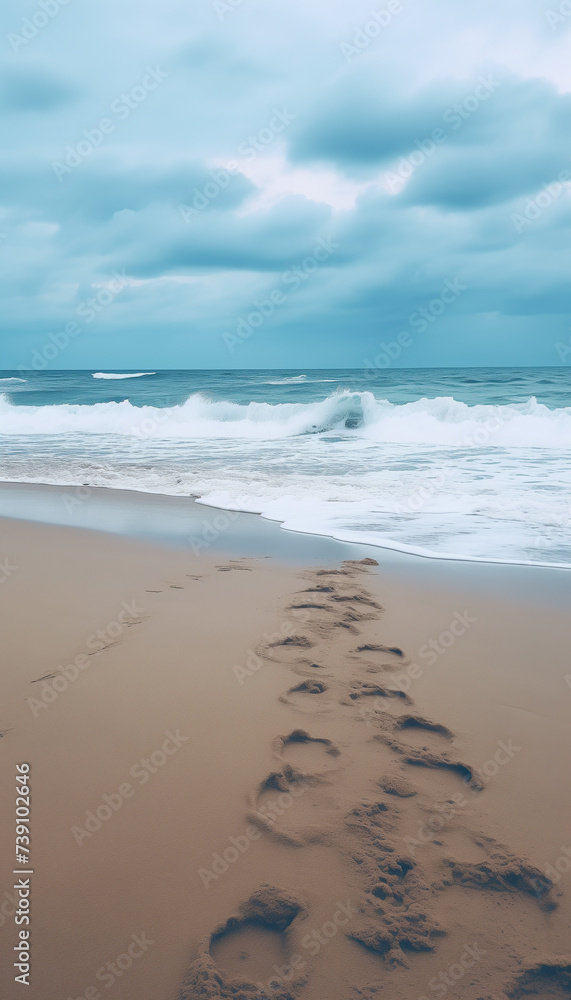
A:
(284, 183)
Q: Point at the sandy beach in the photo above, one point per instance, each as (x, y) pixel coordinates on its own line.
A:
(285, 501)
(255, 779)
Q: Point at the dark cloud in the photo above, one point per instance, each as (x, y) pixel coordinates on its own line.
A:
(201, 242)
(267, 240)
(458, 145)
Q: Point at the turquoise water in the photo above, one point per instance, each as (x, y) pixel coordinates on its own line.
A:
(462, 463)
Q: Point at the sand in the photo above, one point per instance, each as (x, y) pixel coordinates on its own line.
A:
(259, 780)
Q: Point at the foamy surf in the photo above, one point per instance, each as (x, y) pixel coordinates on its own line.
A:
(434, 422)
(135, 375)
(434, 476)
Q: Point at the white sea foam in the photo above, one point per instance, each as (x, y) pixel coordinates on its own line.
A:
(300, 380)
(435, 476)
(136, 375)
(440, 422)
(12, 379)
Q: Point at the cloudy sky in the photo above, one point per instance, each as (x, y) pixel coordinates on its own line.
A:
(284, 183)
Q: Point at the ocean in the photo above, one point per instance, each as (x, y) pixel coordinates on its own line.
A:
(452, 463)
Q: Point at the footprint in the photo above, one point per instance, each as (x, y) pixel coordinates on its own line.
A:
(347, 624)
(376, 648)
(360, 562)
(549, 979)
(238, 959)
(422, 758)
(397, 915)
(417, 722)
(310, 669)
(330, 572)
(502, 872)
(397, 786)
(250, 952)
(311, 755)
(319, 589)
(288, 647)
(357, 597)
(366, 689)
(459, 843)
(309, 605)
(300, 641)
(304, 696)
(413, 931)
(108, 645)
(293, 807)
(309, 687)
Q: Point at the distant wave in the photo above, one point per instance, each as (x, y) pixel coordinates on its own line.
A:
(439, 422)
(13, 379)
(137, 375)
(299, 380)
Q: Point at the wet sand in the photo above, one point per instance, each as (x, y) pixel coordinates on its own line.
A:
(256, 779)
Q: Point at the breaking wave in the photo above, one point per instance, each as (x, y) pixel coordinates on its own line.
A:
(439, 422)
(136, 375)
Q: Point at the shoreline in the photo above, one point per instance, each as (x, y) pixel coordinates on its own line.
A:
(134, 513)
(205, 656)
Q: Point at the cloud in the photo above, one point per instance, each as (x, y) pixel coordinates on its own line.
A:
(263, 139)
